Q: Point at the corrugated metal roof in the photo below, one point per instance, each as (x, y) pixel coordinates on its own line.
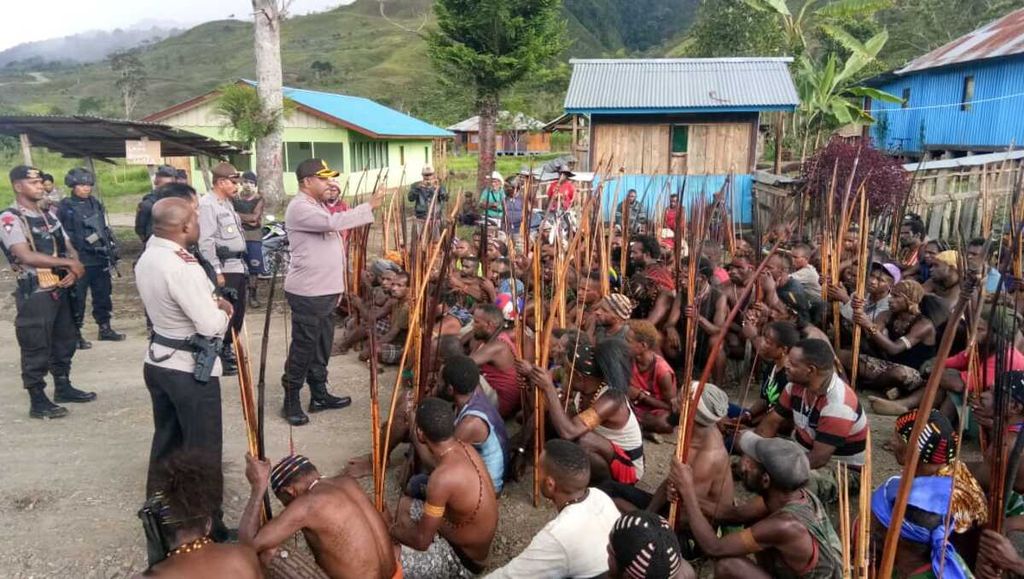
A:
(969, 161)
(1003, 37)
(376, 119)
(518, 122)
(667, 85)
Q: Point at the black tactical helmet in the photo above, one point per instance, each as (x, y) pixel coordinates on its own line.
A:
(79, 176)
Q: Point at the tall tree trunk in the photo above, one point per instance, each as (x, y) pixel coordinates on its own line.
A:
(269, 162)
(488, 111)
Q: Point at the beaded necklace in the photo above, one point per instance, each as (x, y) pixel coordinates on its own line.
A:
(191, 546)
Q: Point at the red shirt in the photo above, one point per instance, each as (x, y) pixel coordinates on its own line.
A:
(670, 218)
(961, 361)
(834, 417)
(563, 192)
(648, 380)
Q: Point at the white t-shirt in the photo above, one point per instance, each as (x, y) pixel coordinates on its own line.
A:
(573, 544)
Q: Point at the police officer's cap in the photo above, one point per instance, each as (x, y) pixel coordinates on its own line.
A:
(24, 172)
(167, 171)
(79, 176)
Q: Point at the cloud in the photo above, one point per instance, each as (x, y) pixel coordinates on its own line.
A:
(43, 19)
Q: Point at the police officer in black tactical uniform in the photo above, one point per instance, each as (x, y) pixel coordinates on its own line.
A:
(84, 220)
(47, 265)
(144, 212)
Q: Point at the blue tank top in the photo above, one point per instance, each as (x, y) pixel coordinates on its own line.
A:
(494, 448)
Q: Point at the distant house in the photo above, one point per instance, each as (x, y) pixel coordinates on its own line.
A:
(356, 136)
(517, 134)
(662, 119)
(965, 97)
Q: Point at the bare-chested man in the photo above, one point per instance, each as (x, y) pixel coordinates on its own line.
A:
(450, 534)
(180, 515)
(347, 536)
(496, 356)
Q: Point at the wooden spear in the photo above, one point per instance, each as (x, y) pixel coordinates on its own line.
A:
(899, 509)
(862, 273)
(686, 419)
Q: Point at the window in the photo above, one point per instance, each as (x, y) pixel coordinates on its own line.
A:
(333, 153)
(906, 98)
(680, 139)
(295, 153)
(426, 155)
(965, 102)
(401, 156)
(369, 155)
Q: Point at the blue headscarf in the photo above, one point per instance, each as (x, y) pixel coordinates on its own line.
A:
(930, 494)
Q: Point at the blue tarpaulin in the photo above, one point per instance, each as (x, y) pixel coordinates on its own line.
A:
(653, 191)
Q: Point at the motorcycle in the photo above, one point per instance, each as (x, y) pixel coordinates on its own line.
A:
(276, 253)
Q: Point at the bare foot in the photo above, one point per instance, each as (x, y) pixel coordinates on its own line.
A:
(893, 394)
(886, 407)
(359, 467)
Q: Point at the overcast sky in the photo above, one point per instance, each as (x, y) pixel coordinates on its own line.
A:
(28, 20)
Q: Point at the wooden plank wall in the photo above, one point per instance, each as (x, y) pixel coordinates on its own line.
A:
(719, 149)
(640, 149)
(714, 149)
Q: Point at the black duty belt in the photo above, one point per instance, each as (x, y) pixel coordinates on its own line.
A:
(175, 344)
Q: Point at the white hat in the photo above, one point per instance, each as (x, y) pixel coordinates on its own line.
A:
(497, 175)
(428, 170)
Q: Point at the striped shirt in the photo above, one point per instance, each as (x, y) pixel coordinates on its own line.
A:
(833, 417)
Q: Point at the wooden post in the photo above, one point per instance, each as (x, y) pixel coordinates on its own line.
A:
(26, 149)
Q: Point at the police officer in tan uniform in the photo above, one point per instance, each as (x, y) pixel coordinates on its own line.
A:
(222, 243)
(38, 250)
(187, 321)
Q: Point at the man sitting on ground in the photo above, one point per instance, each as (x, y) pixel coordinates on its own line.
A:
(643, 546)
(566, 546)
(825, 415)
(346, 535)
(180, 515)
(794, 539)
(477, 421)
(600, 418)
(449, 534)
(496, 355)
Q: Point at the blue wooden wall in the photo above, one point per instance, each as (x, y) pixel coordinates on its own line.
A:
(933, 116)
(652, 188)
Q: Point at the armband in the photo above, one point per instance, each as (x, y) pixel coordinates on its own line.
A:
(751, 544)
(906, 342)
(433, 511)
(589, 418)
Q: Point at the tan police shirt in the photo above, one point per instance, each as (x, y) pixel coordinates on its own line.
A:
(220, 226)
(179, 301)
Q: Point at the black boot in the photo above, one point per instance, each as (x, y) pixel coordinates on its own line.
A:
(228, 361)
(107, 334)
(292, 409)
(83, 344)
(65, 392)
(320, 399)
(42, 407)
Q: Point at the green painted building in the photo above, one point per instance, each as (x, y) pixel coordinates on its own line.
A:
(356, 136)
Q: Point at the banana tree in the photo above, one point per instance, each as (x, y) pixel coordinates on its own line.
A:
(829, 94)
(813, 15)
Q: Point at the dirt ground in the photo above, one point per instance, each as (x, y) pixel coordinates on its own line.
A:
(70, 488)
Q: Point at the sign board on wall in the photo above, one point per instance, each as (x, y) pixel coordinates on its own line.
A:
(143, 152)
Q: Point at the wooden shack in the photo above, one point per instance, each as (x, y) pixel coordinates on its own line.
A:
(516, 134)
(697, 118)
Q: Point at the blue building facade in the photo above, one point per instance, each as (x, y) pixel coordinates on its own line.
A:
(964, 97)
(973, 107)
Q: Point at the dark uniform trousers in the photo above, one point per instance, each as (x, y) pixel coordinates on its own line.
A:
(239, 282)
(312, 338)
(186, 415)
(46, 335)
(97, 282)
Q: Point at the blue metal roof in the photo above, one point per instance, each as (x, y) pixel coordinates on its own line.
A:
(680, 85)
(363, 115)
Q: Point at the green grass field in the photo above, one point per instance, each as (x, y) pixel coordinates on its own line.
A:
(120, 186)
